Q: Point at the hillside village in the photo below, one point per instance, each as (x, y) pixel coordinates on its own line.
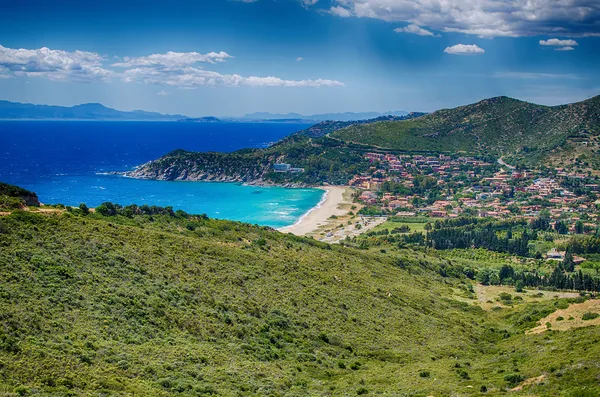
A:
(450, 186)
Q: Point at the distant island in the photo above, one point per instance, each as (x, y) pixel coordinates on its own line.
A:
(86, 111)
(96, 111)
(201, 120)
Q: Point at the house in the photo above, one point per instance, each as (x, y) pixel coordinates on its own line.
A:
(554, 255)
(281, 167)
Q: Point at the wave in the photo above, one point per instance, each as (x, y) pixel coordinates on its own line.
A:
(319, 205)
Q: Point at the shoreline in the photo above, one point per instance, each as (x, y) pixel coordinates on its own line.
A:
(320, 213)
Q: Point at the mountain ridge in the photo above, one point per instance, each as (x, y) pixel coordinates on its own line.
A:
(85, 111)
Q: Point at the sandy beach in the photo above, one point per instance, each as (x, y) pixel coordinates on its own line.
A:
(318, 216)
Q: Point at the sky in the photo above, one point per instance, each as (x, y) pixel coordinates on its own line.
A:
(232, 57)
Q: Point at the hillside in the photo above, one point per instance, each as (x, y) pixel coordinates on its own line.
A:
(176, 304)
(333, 151)
(498, 126)
(13, 197)
(325, 127)
(87, 111)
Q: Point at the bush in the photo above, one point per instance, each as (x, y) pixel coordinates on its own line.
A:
(513, 379)
(504, 296)
(424, 374)
(590, 316)
(361, 391)
(355, 366)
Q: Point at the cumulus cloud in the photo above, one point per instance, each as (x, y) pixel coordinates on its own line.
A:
(558, 42)
(299, 59)
(464, 49)
(52, 64)
(191, 77)
(174, 59)
(486, 18)
(163, 93)
(414, 29)
(340, 11)
(174, 69)
(562, 45)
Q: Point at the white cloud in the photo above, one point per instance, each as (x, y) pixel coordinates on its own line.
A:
(562, 45)
(176, 69)
(299, 59)
(414, 29)
(464, 49)
(191, 77)
(486, 18)
(340, 12)
(174, 59)
(558, 43)
(163, 93)
(52, 64)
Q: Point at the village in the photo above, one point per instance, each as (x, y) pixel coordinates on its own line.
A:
(450, 186)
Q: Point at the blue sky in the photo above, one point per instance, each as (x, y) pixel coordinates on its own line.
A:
(226, 57)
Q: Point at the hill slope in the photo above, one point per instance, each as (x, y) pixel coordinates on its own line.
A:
(497, 126)
(165, 304)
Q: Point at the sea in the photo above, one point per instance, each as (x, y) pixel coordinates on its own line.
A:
(65, 161)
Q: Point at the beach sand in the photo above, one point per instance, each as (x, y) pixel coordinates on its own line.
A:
(318, 216)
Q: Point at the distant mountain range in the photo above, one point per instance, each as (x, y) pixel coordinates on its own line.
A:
(96, 111)
(347, 116)
(87, 111)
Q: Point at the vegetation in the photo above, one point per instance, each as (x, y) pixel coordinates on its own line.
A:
(498, 126)
(123, 302)
(13, 197)
(333, 152)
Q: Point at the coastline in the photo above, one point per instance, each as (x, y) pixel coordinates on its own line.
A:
(319, 214)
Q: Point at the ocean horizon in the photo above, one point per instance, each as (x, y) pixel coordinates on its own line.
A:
(66, 162)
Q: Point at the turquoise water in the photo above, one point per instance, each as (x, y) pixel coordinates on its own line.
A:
(61, 162)
(268, 206)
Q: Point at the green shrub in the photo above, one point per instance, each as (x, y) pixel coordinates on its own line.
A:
(513, 379)
(590, 316)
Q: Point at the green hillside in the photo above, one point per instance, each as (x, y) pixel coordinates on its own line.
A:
(497, 126)
(153, 305)
(12, 197)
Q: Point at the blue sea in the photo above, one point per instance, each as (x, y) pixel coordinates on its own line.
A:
(62, 162)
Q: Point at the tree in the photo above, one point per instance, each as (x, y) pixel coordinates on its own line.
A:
(561, 227)
(84, 209)
(568, 263)
(519, 286)
(579, 227)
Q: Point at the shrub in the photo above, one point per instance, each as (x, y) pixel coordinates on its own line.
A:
(513, 379)
(590, 316)
(424, 374)
(355, 366)
(361, 391)
(505, 296)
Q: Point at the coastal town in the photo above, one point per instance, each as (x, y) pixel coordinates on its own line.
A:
(450, 186)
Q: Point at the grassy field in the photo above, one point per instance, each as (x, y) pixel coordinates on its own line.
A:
(391, 225)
